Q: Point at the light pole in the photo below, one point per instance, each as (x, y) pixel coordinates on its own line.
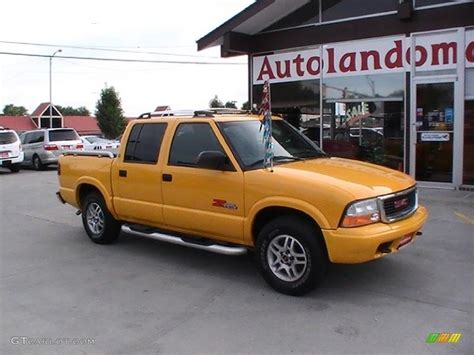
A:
(51, 89)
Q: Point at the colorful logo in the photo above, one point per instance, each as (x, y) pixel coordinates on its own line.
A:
(223, 203)
(443, 338)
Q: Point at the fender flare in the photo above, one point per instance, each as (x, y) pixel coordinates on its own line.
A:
(286, 202)
(85, 180)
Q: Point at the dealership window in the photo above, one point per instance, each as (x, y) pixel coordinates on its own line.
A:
(340, 9)
(468, 169)
(316, 11)
(423, 3)
(364, 118)
(296, 101)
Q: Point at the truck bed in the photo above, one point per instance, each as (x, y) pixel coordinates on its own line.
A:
(77, 168)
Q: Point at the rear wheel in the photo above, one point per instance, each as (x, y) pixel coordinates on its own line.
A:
(290, 255)
(100, 225)
(15, 168)
(37, 164)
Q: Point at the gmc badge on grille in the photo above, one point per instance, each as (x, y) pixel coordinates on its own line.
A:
(401, 203)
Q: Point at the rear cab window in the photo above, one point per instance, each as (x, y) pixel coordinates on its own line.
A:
(144, 143)
(63, 135)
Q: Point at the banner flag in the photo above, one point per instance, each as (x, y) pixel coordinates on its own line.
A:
(267, 126)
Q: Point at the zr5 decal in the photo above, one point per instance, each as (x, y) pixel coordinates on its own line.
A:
(223, 203)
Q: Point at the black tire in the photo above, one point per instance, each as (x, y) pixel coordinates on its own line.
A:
(37, 163)
(15, 168)
(94, 210)
(296, 270)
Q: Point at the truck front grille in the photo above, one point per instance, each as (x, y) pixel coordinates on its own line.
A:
(400, 205)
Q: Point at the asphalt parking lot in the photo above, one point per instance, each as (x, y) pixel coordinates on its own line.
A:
(144, 296)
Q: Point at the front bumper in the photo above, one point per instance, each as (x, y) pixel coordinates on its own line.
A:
(7, 162)
(361, 244)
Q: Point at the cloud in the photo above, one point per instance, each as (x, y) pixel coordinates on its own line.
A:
(144, 25)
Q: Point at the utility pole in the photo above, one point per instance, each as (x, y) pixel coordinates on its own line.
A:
(51, 89)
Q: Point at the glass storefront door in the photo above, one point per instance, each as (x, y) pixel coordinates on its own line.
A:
(433, 131)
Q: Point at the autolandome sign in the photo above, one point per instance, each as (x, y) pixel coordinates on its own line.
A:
(375, 56)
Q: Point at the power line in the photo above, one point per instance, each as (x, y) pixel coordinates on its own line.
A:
(105, 49)
(121, 59)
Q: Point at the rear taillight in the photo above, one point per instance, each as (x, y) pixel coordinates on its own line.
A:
(79, 146)
(51, 147)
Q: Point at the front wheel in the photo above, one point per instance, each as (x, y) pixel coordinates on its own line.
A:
(100, 225)
(15, 168)
(290, 255)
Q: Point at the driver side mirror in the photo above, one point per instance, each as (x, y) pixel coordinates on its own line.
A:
(215, 160)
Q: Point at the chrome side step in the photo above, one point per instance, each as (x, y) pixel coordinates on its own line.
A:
(215, 248)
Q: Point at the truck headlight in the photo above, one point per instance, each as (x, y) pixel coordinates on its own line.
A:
(361, 213)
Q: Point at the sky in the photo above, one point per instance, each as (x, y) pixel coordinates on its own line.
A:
(165, 27)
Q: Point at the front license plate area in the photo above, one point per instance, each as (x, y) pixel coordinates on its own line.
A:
(405, 240)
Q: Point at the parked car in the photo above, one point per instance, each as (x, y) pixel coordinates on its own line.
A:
(44, 146)
(96, 143)
(11, 154)
(199, 181)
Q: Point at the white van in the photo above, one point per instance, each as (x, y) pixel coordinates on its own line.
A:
(43, 147)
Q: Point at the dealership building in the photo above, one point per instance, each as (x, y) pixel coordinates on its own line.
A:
(387, 81)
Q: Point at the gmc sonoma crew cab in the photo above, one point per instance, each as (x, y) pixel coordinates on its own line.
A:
(199, 181)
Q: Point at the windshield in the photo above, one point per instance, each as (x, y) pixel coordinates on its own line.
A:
(246, 139)
(7, 137)
(63, 135)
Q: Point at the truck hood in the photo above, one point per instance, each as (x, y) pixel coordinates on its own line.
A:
(360, 179)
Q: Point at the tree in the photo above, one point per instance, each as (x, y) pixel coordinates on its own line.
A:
(72, 111)
(246, 106)
(215, 102)
(230, 104)
(109, 113)
(12, 110)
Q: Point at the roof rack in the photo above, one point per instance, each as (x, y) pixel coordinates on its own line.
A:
(205, 113)
(167, 113)
(227, 111)
(208, 112)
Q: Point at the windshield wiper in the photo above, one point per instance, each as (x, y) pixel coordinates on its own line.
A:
(276, 158)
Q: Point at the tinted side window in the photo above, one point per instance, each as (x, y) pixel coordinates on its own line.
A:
(189, 141)
(27, 138)
(145, 142)
(36, 137)
(132, 141)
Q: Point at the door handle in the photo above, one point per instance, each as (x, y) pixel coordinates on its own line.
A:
(167, 177)
(123, 173)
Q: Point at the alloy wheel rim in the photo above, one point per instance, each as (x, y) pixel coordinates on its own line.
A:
(95, 218)
(287, 258)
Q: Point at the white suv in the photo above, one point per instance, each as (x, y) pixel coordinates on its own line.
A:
(11, 154)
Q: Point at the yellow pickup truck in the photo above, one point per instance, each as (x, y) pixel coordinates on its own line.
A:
(199, 181)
